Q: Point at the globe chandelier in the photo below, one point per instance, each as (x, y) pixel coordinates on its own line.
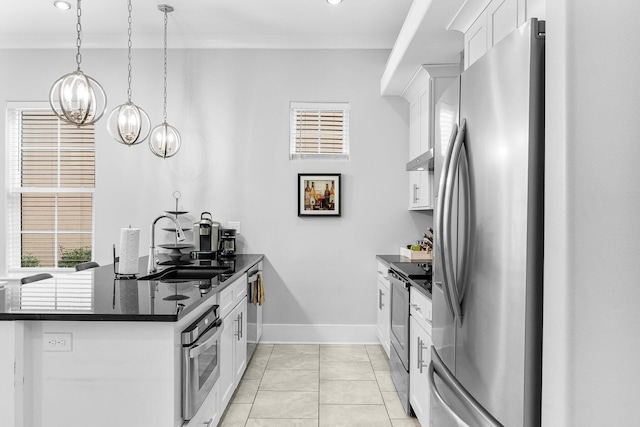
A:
(165, 140)
(76, 98)
(129, 124)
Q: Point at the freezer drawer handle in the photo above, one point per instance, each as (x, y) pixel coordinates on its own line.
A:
(482, 418)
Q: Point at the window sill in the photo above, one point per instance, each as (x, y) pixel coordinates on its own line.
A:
(321, 157)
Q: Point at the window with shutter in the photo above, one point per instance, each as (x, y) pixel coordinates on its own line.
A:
(51, 189)
(319, 131)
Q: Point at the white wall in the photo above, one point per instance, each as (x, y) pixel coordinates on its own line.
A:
(591, 318)
(231, 107)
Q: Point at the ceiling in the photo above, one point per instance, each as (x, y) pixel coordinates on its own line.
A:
(304, 24)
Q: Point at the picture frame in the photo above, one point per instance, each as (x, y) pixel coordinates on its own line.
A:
(319, 194)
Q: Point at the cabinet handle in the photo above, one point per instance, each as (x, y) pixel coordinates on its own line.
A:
(380, 295)
(421, 348)
(240, 319)
(237, 333)
(208, 423)
(415, 193)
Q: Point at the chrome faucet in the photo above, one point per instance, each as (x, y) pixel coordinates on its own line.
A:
(153, 256)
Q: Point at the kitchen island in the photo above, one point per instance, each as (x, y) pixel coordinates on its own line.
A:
(119, 363)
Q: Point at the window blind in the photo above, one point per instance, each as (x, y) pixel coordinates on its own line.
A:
(52, 180)
(319, 130)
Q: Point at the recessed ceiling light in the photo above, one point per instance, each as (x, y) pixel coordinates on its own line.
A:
(334, 1)
(63, 5)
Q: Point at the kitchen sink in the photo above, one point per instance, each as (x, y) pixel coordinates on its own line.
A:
(186, 274)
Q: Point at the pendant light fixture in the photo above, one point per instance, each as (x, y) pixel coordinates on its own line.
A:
(164, 140)
(76, 98)
(129, 124)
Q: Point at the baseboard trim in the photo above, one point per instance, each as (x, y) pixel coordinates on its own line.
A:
(319, 334)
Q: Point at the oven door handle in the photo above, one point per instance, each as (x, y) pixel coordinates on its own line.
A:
(209, 339)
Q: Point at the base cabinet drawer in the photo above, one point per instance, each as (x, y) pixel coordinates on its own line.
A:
(210, 412)
(232, 295)
(420, 308)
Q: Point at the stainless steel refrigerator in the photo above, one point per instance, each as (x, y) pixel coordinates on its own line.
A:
(486, 367)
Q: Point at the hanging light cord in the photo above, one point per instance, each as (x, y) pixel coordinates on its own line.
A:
(79, 31)
(165, 67)
(130, 44)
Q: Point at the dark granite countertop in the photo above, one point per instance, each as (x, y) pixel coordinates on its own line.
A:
(96, 295)
(388, 259)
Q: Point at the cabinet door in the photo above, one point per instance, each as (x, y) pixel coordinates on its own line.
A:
(424, 101)
(476, 40)
(421, 194)
(502, 19)
(240, 341)
(414, 129)
(227, 371)
(419, 359)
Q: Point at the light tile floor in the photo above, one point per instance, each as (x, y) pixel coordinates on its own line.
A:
(317, 386)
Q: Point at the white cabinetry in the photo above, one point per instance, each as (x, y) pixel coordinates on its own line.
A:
(384, 309)
(485, 23)
(233, 342)
(425, 87)
(419, 354)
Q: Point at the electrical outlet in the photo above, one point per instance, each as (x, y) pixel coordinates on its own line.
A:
(57, 341)
(235, 225)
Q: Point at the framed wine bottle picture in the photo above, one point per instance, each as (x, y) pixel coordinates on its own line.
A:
(319, 194)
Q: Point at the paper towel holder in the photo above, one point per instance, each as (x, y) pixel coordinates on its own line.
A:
(116, 261)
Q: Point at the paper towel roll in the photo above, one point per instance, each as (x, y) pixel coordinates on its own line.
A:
(129, 244)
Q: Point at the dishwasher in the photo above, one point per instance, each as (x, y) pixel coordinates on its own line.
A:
(254, 308)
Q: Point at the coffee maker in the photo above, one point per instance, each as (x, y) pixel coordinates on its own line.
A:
(227, 245)
(205, 235)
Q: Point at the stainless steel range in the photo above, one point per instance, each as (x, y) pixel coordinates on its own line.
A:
(402, 275)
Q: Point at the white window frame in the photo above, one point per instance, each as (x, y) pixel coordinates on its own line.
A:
(14, 190)
(344, 107)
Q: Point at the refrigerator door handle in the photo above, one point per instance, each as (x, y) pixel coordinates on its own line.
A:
(481, 417)
(450, 280)
(439, 223)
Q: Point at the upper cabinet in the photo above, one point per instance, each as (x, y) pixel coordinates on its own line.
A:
(445, 31)
(427, 85)
(486, 22)
(442, 32)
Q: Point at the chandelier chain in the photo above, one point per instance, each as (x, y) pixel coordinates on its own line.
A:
(129, 56)
(79, 31)
(165, 67)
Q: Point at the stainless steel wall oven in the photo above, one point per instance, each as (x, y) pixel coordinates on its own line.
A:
(200, 360)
